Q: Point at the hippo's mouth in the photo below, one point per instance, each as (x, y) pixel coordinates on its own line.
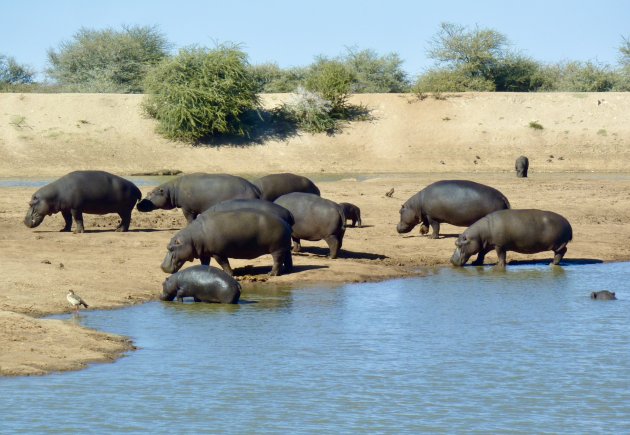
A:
(33, 219)
(403, 228)
(171, 264)
(145, 206)
(459, 258)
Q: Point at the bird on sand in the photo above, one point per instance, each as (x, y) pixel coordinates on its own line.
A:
(390, 193)
(75, 300)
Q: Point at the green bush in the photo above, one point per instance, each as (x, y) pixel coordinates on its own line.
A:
(270, 78)
(107, 60)
(332, 80)
(309, 111)
(577, 77)
(374, 73)
(12, 73)
(202, 92)
(446, 80)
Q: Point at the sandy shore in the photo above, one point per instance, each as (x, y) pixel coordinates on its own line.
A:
(111, 269)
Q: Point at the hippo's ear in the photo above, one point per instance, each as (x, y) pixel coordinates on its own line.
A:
(178, 241)
(34, 200)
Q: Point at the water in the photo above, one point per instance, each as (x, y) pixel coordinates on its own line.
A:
(36, 182)
(461, 350)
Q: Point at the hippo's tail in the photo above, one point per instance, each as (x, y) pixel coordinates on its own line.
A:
(506, 202)
(343, 218)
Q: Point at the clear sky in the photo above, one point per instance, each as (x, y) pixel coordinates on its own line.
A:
(292, 33)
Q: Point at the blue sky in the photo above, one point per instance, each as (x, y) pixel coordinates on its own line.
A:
(292, 33)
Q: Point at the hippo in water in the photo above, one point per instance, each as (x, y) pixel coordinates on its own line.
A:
(256, 204)
(521, 165)
(456, 202)
(196, 193)
(351, 212)
(524, 231)
(275, 185)
(316, 218)
(221, 235)
(203, 283)
(604, 295)
(91, 192)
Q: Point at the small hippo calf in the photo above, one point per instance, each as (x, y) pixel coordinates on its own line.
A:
(204, 284)
(603, 295)
(351, 212)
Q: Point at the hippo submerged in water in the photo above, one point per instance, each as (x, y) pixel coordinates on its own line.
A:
(274, 186)
(91, 192)
(196, 193)
(204, 284)
(523, 231)
(456, 202)
(604, 295)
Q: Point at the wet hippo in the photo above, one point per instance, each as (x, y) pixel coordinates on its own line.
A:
(604, 295)
(195, 193)
(231, 234)
(275, 185)
(524, 231)
(203, 283)
(351, 212)
(456, 202)
(316, 218)
(256, 204)
(91, 192)
(521, 165)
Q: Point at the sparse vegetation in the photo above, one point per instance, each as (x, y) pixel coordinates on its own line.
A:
(19, 122)
(535, 125)
(13, 73)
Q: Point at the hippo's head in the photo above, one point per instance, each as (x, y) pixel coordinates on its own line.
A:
(408, 219)
(38, 209)
(169, 288)
(157, 198)
(465, 247)
(604, 295)
(180, 250)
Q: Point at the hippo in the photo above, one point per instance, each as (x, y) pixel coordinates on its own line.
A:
(525, 231)
(91, 192)
(521, 165)
(275, 185)
(351, 212)
(604, 295)
(256, 204)
(316, 218)
(204, 284)
(195, 193)
(456, 202)
(243, 233)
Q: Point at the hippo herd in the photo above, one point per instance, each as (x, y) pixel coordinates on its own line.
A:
(231, 217)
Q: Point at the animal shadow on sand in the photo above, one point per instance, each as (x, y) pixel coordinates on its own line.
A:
(264, 270)
(441, 236)
(343, 253)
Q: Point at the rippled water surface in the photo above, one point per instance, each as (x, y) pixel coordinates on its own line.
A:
(469, 350)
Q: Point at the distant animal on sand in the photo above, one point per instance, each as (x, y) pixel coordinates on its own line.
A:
(75, 300)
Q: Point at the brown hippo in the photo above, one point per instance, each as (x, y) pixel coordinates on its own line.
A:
(524, 231)
(91, 192)
(522, 166)
(231, 234)
(204, 284)
(351, 212)
(456, 202)
(275, 185)
(604, 295)
(316, 218)
(196, 193)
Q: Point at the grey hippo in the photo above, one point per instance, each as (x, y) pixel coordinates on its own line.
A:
(604, 295)
(273, 186)
(255, 204)
(196, 193)
(203, 283)
(351, 212)
(231, 234)
(316, 218)
(456, 202)
(91, 192)
(524, 231)
(522, 166)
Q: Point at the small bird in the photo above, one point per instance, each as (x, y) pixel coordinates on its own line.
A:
(75, 300)
(390, 193)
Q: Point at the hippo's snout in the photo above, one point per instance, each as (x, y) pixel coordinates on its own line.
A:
(33, 219)
(403, 228)
(145, 206)
(458, 259)
(171, 264)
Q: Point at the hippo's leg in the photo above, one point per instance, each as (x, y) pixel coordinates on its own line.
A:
(180, 295)
(225, 264)
(354, 222)
(481, 256)
(435, 226)
(67, 217)
(559, 255)
(296, 245)
(501, 253)
(358, 221)
(334, 243)
(190, 216)
(278, 259)
(288, 261)
(125, 221)
(205, 259)
(77, 215)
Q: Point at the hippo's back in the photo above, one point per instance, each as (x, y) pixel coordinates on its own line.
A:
(273, 186)
(315, 217)
(460, 202)
(200, 191)
(96, 191)
(255, 204)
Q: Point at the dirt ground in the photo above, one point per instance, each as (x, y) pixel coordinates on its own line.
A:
(110, 269)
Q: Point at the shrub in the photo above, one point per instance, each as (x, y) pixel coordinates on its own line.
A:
(12, 73)
(332, 80)
(535, 125)
(577, 77)
(270, 78)
(446, 80)
(309, 111)
(107, 60)
(202, 92)
(374, 73)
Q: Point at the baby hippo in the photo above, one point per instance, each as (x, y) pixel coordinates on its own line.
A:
(351, 212)
(603, 295)
(204, 284)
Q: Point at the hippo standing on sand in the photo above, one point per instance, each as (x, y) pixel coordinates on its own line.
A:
(195, 193)
(204, 284)
(351, 212)
(275, 185)
(524, 231)
(456, 202)
(256, 204)
(521, 165)
(231, 234)
(316, 218)
(91, 192)
(604, 295)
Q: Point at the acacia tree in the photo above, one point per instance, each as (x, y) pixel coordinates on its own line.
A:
(374, 73)
(13, 73)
